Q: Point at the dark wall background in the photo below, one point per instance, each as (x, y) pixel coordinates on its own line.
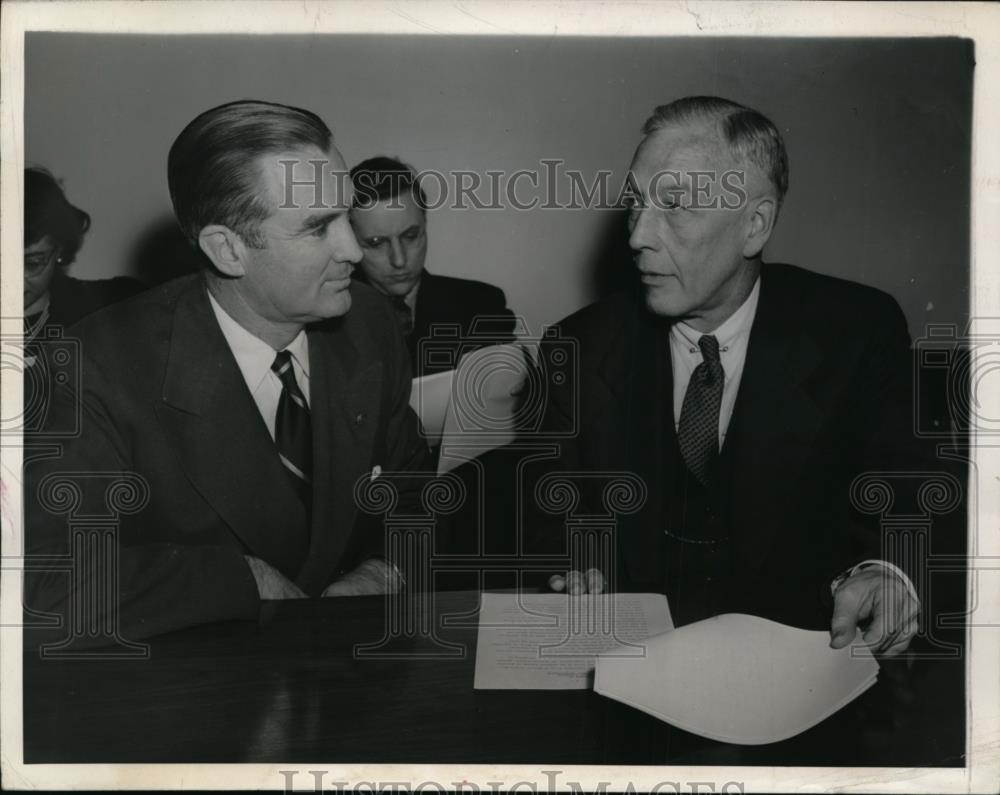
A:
(878, 133)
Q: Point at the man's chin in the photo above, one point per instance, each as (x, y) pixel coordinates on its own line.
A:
(398, 289)
(337, 305)
(665, 304)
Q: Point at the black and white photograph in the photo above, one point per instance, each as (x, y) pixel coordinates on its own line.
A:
(500, 396)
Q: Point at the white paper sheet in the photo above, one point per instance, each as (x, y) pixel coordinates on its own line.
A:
(482, 412)
(472, 409)
(739, 679)
(550, 641)
(429, 398)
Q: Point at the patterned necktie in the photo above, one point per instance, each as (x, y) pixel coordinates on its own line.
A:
(293, 428)
(403, 315)
(698, 430)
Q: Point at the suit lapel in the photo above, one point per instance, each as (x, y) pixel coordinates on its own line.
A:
(222, 441)
(426, 311)
(774, 421)
(344, 402)
(636, 370)
(423, 312)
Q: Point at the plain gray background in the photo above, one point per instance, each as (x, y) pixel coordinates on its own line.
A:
(878, 133)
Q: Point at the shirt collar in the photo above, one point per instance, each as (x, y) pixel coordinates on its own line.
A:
(40, 305)
(254, 356)
(736, 325)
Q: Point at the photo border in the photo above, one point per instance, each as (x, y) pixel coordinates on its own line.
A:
(979, 22)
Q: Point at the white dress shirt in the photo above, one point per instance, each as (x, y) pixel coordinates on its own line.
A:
(733, 337)
(255, 357)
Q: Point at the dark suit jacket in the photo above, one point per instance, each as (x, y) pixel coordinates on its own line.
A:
(824, 397)
(453, 316)
(162, 396)
(71, 300)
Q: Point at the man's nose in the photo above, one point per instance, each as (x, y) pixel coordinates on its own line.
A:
(640, 236)
(397, 256)
(346, 248)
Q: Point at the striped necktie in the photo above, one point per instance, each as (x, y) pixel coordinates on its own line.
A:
(698, 430)
(293, 428)
(403, 315)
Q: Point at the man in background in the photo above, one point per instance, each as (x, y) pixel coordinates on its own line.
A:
(246, 401)
(390, 220)
(747, 396)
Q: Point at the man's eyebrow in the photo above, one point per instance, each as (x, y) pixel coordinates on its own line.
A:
(319, 221)
(672, 190)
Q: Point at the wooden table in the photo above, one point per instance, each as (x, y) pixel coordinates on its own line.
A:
(291, 688)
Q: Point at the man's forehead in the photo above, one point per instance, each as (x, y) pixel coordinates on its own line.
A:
(387, 215)
(683, 148)
(303, 178)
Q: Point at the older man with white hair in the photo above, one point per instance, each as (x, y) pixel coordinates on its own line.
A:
(747, 396)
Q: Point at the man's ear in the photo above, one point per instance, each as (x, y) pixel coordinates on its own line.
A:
(225, 248)
(763, 216)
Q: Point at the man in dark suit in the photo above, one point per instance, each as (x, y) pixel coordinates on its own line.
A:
(746, 396)
(246, 401)
(390, 220)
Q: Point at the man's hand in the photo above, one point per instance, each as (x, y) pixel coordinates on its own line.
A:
(882, 604)
(575, 583)
(374, 576)
(271, 583)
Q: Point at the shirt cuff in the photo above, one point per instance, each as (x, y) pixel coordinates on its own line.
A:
(882, 564)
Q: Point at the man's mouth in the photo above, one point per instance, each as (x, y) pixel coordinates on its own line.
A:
(648, 277)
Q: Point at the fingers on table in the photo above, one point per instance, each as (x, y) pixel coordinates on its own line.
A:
(575, 582)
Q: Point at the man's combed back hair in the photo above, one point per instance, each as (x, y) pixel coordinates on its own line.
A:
(382, 178)
(212, 167)
(750, 134)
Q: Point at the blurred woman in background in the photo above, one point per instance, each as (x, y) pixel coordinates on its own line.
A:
(53, 234)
